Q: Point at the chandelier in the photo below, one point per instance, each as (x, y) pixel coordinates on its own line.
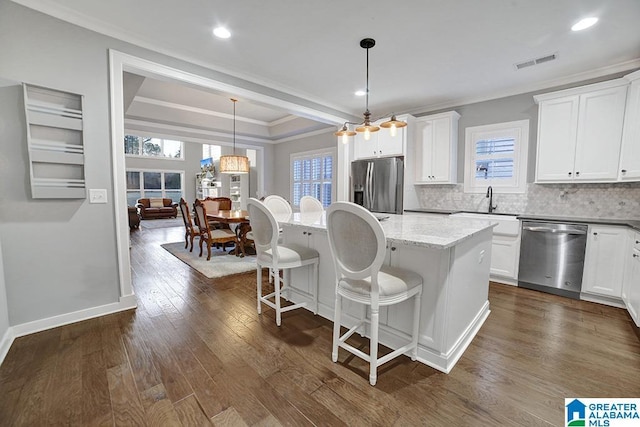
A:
(366, 127)
(234, 164)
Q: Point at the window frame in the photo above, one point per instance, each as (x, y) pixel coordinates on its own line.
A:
(141, 154)
(162, 189)
(519, 131)
(303, 155)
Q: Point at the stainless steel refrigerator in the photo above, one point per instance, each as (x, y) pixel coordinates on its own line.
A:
(377, 184)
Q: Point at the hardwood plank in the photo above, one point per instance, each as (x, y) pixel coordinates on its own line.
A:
(228, 418)
(96, 402)
(195, 352)
(191, 413)
(159, 410)
(125, 401)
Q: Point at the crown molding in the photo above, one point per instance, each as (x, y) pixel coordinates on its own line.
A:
(197, 110)
(533, 87)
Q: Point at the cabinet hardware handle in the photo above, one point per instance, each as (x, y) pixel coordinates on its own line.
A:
(569, 173)
(623, 171)
(393, 248)
(595, 234)
(636, 255)
(309, 234)
(304, 232)
(577, 173)
(637, 241)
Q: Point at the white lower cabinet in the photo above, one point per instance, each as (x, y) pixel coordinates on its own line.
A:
(631, 283)
(505, 253)
(604, 261)
(505, 246)
(301, 277)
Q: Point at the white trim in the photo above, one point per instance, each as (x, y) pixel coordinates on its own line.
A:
(197, 110)
(519, 129)
(282, 120)
(116, 95)
(580, 90)
(125, 303)
(5, 343)
(214, 134)
(120, 62)
(304, 135)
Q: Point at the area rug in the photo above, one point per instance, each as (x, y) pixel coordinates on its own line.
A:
(221, 264)
(162, 223)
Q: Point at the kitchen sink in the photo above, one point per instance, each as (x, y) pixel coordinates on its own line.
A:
(508, 225)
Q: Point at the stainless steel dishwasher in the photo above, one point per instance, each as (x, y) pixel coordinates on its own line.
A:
(552, 257)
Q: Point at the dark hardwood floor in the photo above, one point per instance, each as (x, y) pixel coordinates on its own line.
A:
(195, 352)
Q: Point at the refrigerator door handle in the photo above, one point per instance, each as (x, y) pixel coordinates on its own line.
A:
(370, 185)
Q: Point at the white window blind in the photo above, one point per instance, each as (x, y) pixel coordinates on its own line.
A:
(496, 156)
(312, 175)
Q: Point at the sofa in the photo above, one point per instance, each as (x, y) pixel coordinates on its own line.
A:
(157, 208)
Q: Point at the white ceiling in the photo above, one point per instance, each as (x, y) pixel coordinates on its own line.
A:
(429, 54)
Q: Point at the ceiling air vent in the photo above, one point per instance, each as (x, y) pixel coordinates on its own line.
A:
(536, 61)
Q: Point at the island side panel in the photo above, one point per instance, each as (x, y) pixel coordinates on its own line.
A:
(467, 293)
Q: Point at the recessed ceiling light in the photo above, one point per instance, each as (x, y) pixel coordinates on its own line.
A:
(221, 32)
(360, 93)
(584, 24)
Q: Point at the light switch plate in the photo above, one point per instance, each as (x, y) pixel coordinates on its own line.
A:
(97, 195)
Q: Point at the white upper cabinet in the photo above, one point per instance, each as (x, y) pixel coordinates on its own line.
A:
(381, 143)
(580, 133)
(630, 155)
(436, 148)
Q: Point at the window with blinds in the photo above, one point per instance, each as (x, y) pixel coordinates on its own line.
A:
(312, 175)
(496, 156)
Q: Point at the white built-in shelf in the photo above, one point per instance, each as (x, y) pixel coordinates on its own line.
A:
(55, 142)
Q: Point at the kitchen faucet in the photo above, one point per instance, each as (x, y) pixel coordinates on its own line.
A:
(490, 197)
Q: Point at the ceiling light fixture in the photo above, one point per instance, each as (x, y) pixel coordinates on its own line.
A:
(585, 23)
(231, 163)
(366, 127)
(221, 33)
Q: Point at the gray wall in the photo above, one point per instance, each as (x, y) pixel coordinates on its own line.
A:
(59, 256)
(282, 158)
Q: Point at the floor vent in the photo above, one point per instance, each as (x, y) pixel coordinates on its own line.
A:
(532, 62)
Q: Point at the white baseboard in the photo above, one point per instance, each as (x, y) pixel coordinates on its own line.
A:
(5, 344)
(126, 302)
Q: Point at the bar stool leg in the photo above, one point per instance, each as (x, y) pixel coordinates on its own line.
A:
(336, 327)
(373, 351)
(259, 287)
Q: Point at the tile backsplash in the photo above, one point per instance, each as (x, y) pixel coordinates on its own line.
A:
(612, 201)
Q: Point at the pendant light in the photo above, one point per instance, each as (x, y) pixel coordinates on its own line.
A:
(233, 164)
(366, 127)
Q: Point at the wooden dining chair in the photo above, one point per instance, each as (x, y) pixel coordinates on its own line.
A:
(209, 236)
(191, 229)
(358, 247)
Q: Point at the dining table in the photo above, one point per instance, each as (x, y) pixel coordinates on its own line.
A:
(240, 218)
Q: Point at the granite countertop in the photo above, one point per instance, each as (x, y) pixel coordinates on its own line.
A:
(433, 232)
(635, 224)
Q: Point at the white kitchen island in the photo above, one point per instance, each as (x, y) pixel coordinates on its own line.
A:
(452, 255)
